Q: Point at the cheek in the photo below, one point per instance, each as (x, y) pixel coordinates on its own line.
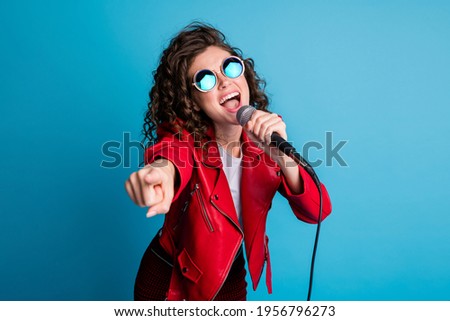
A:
(201, 100)
(245, 89)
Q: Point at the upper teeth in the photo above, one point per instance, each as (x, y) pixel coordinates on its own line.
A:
(227, 97)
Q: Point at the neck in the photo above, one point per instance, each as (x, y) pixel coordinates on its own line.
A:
(229, 138)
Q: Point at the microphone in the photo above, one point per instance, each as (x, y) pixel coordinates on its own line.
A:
(244, 114)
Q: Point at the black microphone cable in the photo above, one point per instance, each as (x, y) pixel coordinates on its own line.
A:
(291, 152)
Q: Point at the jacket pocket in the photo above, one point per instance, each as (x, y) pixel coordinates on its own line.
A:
(188, 268)
(203, 208)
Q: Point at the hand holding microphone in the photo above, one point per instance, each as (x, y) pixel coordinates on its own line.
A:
(262, 125)
(269, 128)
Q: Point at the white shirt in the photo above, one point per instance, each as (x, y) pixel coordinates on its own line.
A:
(233, 171)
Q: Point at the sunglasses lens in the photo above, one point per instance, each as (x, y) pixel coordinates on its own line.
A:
(205, 80)
(233, 67)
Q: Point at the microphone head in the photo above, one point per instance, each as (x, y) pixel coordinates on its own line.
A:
(244, 114)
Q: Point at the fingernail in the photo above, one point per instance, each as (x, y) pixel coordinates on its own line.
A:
(151, 213)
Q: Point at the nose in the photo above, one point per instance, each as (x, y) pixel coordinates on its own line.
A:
(223, 81)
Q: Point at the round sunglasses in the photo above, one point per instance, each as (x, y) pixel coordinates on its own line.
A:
(205, 80)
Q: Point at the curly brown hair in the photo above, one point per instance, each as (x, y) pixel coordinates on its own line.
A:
(171, 94)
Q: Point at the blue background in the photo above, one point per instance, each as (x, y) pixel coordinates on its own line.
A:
(76, 74)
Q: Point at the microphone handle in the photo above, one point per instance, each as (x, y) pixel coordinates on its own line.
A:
(289, 150)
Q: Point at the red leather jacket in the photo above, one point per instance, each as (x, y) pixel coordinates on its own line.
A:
(201, 232)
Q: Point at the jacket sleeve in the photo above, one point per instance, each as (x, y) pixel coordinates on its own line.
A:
(179, 153)
(306, 204)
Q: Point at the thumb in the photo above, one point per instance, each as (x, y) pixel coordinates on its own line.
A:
(163, 204)
(153, 178)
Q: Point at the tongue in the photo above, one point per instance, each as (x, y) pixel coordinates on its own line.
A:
(231, 104)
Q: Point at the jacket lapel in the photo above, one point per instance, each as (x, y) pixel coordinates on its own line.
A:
(220, 197)
(259, 183)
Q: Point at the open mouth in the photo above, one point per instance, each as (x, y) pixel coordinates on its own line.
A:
(231, 101)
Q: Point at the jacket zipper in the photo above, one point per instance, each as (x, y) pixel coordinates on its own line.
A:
(202, 205)
(266, 254)
(183, 212)
(225, 214)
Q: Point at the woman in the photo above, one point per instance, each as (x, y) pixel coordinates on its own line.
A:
(213, 178)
